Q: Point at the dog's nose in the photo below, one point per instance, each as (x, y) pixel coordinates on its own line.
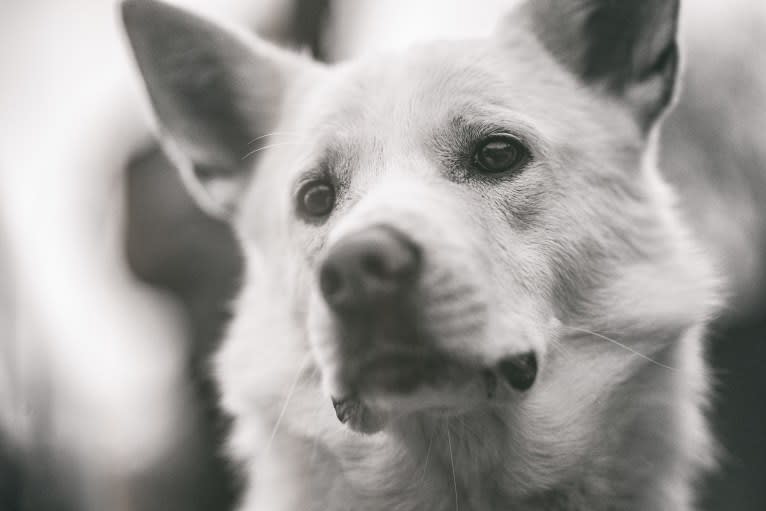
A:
(369, 269)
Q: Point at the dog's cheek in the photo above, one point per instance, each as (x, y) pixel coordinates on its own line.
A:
(519, 279)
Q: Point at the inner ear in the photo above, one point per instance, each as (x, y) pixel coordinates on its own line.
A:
(213, 91)
(626, 48)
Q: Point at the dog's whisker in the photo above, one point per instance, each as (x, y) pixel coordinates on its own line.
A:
(315, 443)
(277, 144)
(558, 347)
(272, 134)
(621, 345)
(428, 457)
(282, 412)
(317, 413)
(452, 463)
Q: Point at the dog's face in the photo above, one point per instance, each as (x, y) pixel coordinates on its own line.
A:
(467, 226)
(457, 211)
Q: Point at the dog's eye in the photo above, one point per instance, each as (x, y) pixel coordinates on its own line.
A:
(316, 199)
(500, 153)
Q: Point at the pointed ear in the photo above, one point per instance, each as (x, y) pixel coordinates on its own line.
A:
(213, 93)
(627, 48)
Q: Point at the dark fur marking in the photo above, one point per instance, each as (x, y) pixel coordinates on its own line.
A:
(615, 44)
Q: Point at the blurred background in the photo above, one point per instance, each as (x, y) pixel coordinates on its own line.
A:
(114, 287)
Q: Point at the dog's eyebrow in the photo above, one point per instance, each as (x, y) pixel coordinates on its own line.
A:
(472, 131)
(468, 125)
(333, 161)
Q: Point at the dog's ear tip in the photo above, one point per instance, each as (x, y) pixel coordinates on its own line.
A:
(133, 10)
(626, 49)
(136, 14)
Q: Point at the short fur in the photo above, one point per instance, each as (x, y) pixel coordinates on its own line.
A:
(580, 258)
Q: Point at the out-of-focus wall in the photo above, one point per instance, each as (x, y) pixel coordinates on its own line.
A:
(92, 358)
(93, 395)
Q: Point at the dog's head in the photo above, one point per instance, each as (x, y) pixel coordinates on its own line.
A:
(466, 225)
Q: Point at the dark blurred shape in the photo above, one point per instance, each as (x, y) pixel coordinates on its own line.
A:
(41, 476)
(738, 357)
(303, 27)
(713, 153)
(309, 19)
(10, 457)
(10, 477)
(173, 246)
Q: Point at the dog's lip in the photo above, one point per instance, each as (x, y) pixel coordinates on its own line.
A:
(368, 411)
(351, 411)
(400, 359)
(399, 371)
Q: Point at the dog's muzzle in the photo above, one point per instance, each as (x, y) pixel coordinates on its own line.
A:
(369, 279)
(370, 282)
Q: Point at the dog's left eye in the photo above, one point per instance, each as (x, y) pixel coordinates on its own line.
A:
(316, 199)
(500, 153)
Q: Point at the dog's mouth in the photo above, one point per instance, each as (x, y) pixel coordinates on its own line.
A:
(394, 385)
(401, 372)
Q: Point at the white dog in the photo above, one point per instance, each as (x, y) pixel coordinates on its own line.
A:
(467, 284)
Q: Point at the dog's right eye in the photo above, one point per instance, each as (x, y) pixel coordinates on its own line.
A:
(316, 199)
(500, 154)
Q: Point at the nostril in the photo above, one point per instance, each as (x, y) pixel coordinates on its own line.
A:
(372, 264)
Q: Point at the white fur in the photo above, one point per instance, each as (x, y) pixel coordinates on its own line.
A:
(603, 428)
(581, 257)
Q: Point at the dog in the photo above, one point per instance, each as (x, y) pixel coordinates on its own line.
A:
(467, 284)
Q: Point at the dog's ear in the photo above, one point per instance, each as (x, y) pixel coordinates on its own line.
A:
(627, 48)
(213, 92)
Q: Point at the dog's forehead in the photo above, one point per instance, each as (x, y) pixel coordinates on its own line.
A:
(406, 94)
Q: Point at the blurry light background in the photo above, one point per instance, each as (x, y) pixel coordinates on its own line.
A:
(113, 287)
